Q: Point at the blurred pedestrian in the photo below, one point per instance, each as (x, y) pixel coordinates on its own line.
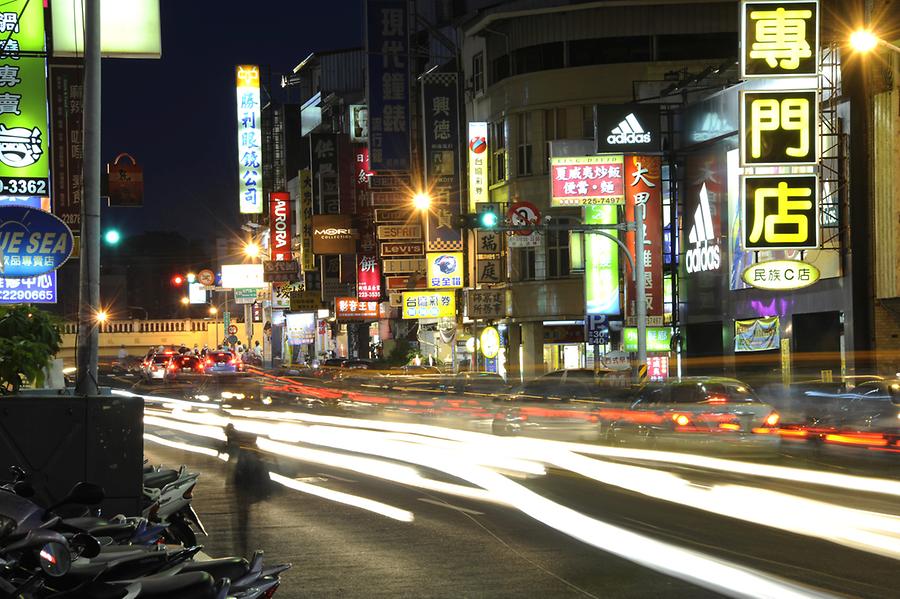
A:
(123, 353)
(257, 350)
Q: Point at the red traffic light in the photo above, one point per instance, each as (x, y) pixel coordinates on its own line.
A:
(177, 280)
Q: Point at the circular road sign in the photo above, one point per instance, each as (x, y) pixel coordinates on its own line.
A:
(490, 342)
(523, 213)
(232, 329)
(206, 277)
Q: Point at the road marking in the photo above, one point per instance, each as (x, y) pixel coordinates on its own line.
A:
(464, 510)
(335, 477)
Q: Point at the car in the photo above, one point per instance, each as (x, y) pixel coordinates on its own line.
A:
(872, 406)
(708, 409)
(218, 361)
(476, 383)
(184, 365)
(156, 366)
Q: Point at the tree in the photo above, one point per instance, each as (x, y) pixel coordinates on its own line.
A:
(29, 339)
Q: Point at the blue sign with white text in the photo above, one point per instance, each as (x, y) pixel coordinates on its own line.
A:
(32, 242)
(29, 290)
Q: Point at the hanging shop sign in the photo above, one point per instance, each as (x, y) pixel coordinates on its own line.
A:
(387, 49)
(300, 329)
(779, 39)
(478, 164)
(386, 232)
(324, 164)
(486, 304)
(333, 234)
(487, 242)
(779, 127)
(643, 183)
(250, 192)
(32, 242)
(440, 132)
(780, 212)
(29, 290)
(488, 271)
(392, 266)
(490, 342)
(601, 271)
(130, 29)
(399, 282)
(280, 225)
(781, 275)
(368, 277)
(66, 110)
(350, 308)
(428, 304)
(445, 270)
(392, 215)
(627, 128)
(703, 252)
(586, 180)
(125, 182)
(305, 301)
(402, 248)
(305, 221)
(239, 276)
(758, 334)
(280, 271)
(658, 338)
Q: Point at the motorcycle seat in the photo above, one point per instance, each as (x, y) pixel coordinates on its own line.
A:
(158, 480)
(192, 585)
(226, 567)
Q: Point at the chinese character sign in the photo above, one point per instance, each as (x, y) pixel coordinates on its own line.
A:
(350, 308)
(66, 94)
(478, 164)
(779, 127)
(24, 135)
(445, 270)
(586, 180)
(368, 277)
(779, 38)
(779, 275)
(280, 225)
(601, 270)
(643, 185)
(250, 193)
(304, 220)
(387, 47)
(780, 212)
(428, 304)
(29, 290)
(440, 132)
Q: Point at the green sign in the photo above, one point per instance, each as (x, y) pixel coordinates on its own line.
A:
(24, 134)
(245, 295)
(601, 271)
(658, 338)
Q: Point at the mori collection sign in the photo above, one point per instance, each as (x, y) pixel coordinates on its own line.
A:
(32, 242)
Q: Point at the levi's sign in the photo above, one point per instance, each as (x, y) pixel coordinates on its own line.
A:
(411, 248)
(32, 242)
(399, 231)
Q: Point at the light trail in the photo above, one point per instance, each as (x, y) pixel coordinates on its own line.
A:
(345, 498)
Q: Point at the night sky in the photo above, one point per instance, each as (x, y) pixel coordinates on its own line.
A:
(176, 115)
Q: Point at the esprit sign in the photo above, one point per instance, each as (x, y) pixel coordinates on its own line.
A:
(280, 225)
(627, 128)
(32, 242)
(703, 253)
(399, 231)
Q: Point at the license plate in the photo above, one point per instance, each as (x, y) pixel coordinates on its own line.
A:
(185, 370)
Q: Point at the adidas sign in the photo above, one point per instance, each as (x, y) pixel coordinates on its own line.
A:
(703, 256)
(629, 131)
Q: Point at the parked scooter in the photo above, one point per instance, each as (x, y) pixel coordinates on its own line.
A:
(167, 498)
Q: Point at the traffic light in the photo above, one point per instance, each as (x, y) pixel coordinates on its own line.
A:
(488, 217)
(112, 237)
(178, 280)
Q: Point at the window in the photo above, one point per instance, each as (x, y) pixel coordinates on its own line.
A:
(558, 252)
(539, 58)
(478, 73)
(610, 50)
(500, 68)
(694, 47)
(554, 128)
(525, 260)
(587, 122)
(523, 131)
(498, 152)
(686, 393)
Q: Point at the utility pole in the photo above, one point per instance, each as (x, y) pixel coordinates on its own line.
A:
(89, 299)
(640, 296)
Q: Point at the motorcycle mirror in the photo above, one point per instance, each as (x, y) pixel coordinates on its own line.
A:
(83, 494)
(89, 546)
(55, 559)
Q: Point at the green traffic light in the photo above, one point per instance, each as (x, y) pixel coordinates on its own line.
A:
(489, 220)
(112, 237)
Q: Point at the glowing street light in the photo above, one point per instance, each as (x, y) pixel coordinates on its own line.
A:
(101, 316)
(185, 300)
(213, 310)
(863, 40)
(422, 201)
(251, 250)
(191, 277)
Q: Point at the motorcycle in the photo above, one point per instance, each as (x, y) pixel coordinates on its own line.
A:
(167, 498)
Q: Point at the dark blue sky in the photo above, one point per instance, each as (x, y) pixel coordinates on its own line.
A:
(177, 115)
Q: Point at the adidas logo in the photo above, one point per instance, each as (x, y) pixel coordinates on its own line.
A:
(703, 256)
(629, 131)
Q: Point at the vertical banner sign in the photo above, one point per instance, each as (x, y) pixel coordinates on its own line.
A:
(368, 277)
(387, 87)
(249, 140)
(365, 214)
(324, 159)
(304, 220)
(643, 185)
(780, 212)
(67, 114)
(779, 128)
(440, 116)
(601, 270)
(280, 225)
(478, 164)
(24, 139)
(779, 39)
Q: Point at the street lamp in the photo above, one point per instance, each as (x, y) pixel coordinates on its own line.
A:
(863, 40)
(251, 249)
(422, 201)
(213, 310)
(101, 316)
(185, 300)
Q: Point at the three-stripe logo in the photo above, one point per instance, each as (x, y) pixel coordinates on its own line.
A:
(703, 256)
(629, 131)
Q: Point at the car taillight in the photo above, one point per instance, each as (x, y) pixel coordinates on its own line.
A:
(231, 361)
(209, 361)
(716, 399)
(681, 419)
(772, 419)
(271, 592)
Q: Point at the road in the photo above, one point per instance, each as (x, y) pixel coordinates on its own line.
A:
(464, 514)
